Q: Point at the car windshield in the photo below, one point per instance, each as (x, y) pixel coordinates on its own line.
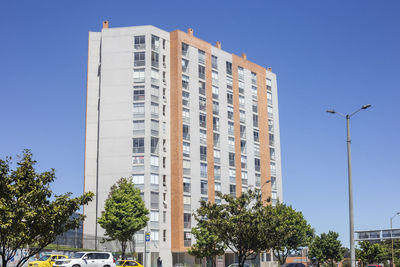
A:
(77, 255)
(120, 263)
(44, 258)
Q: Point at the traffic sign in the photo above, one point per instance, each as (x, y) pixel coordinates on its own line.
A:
(147, 236)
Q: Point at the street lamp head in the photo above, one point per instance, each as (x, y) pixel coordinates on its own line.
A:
(366, 106)
(331, 111)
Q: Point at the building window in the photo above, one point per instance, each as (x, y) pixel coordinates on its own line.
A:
(154, 108)
(185, 65)
(258, 179)
(273, 168)
(231, 143)
(203, 187)
(138, 93)
(216, 139)
(186, 132)
(254, 91)
(217, 156)
(202, 72)
(185, 50)
(138, 160)
(202, 120)
(269, 84)
(154, 127)
(255, 106)
(138, 109)
(155, 59)
(154, 216)
(154, 178)
(187, 202)
(269, 98)
(202, 57)
(229, 82)
(154, 145)
(164, 235)
(138, 127)
(217, 187)
(203, 169)
(256, 150)
(256, 135)
(241, 87)
(242, 131)
(138, 179)
(273, 183)
(185, 98)
(243, 161)
(202, 88)
(232, 190)
(242, 116)
(217, 172)
(229, 68)
(253, 78)
(138, 76)
(270, 125)
(232, 176)
(203, 137)
(214, 76)
(257, 164)
(186, 149)
(140, 42)
(186, 166)
(231, 128)
(154, 161)
(214, 62)
(255, 120)
(216, 124)
(186, 115)
(215, 92)
(229, 98)
(185, 81)
(202, 103)
(230, 112)
(154, 200)
(231, 159)
(155, 76)
(154, 235)
(241, 73)
(155, 43)
(215, 107)
(139, 59)
(241, 101)
(243, 146)
(138, 145)
(203, 153)
(186, 185)
(270, 112)
(272, 153)
(271, 140)
(187, 218)
(245, 180)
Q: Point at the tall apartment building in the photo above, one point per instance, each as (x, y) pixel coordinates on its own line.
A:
(184, 119)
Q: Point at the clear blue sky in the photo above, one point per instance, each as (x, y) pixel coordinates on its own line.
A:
(327, 54)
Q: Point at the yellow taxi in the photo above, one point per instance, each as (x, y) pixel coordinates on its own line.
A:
(128, 263)
(47, 260)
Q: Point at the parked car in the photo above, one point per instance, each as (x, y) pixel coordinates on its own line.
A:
(237, 264)
(88, 259)
(46, 260)
(128, 263)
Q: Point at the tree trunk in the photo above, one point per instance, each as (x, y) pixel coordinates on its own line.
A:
(123, 248)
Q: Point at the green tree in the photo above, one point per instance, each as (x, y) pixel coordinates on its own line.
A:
(124, 213)
(326, 248)
(30, 214)
(289, 231)
(239, 223)
(207, 243)
(369, 253)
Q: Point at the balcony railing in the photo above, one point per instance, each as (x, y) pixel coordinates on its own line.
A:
(139, 63)
(140, 46)
(155, 64)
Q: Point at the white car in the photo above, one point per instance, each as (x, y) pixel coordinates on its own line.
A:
(87, 259)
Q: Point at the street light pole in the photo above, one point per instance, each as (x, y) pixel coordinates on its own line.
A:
(391, 235)
(351, 213)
